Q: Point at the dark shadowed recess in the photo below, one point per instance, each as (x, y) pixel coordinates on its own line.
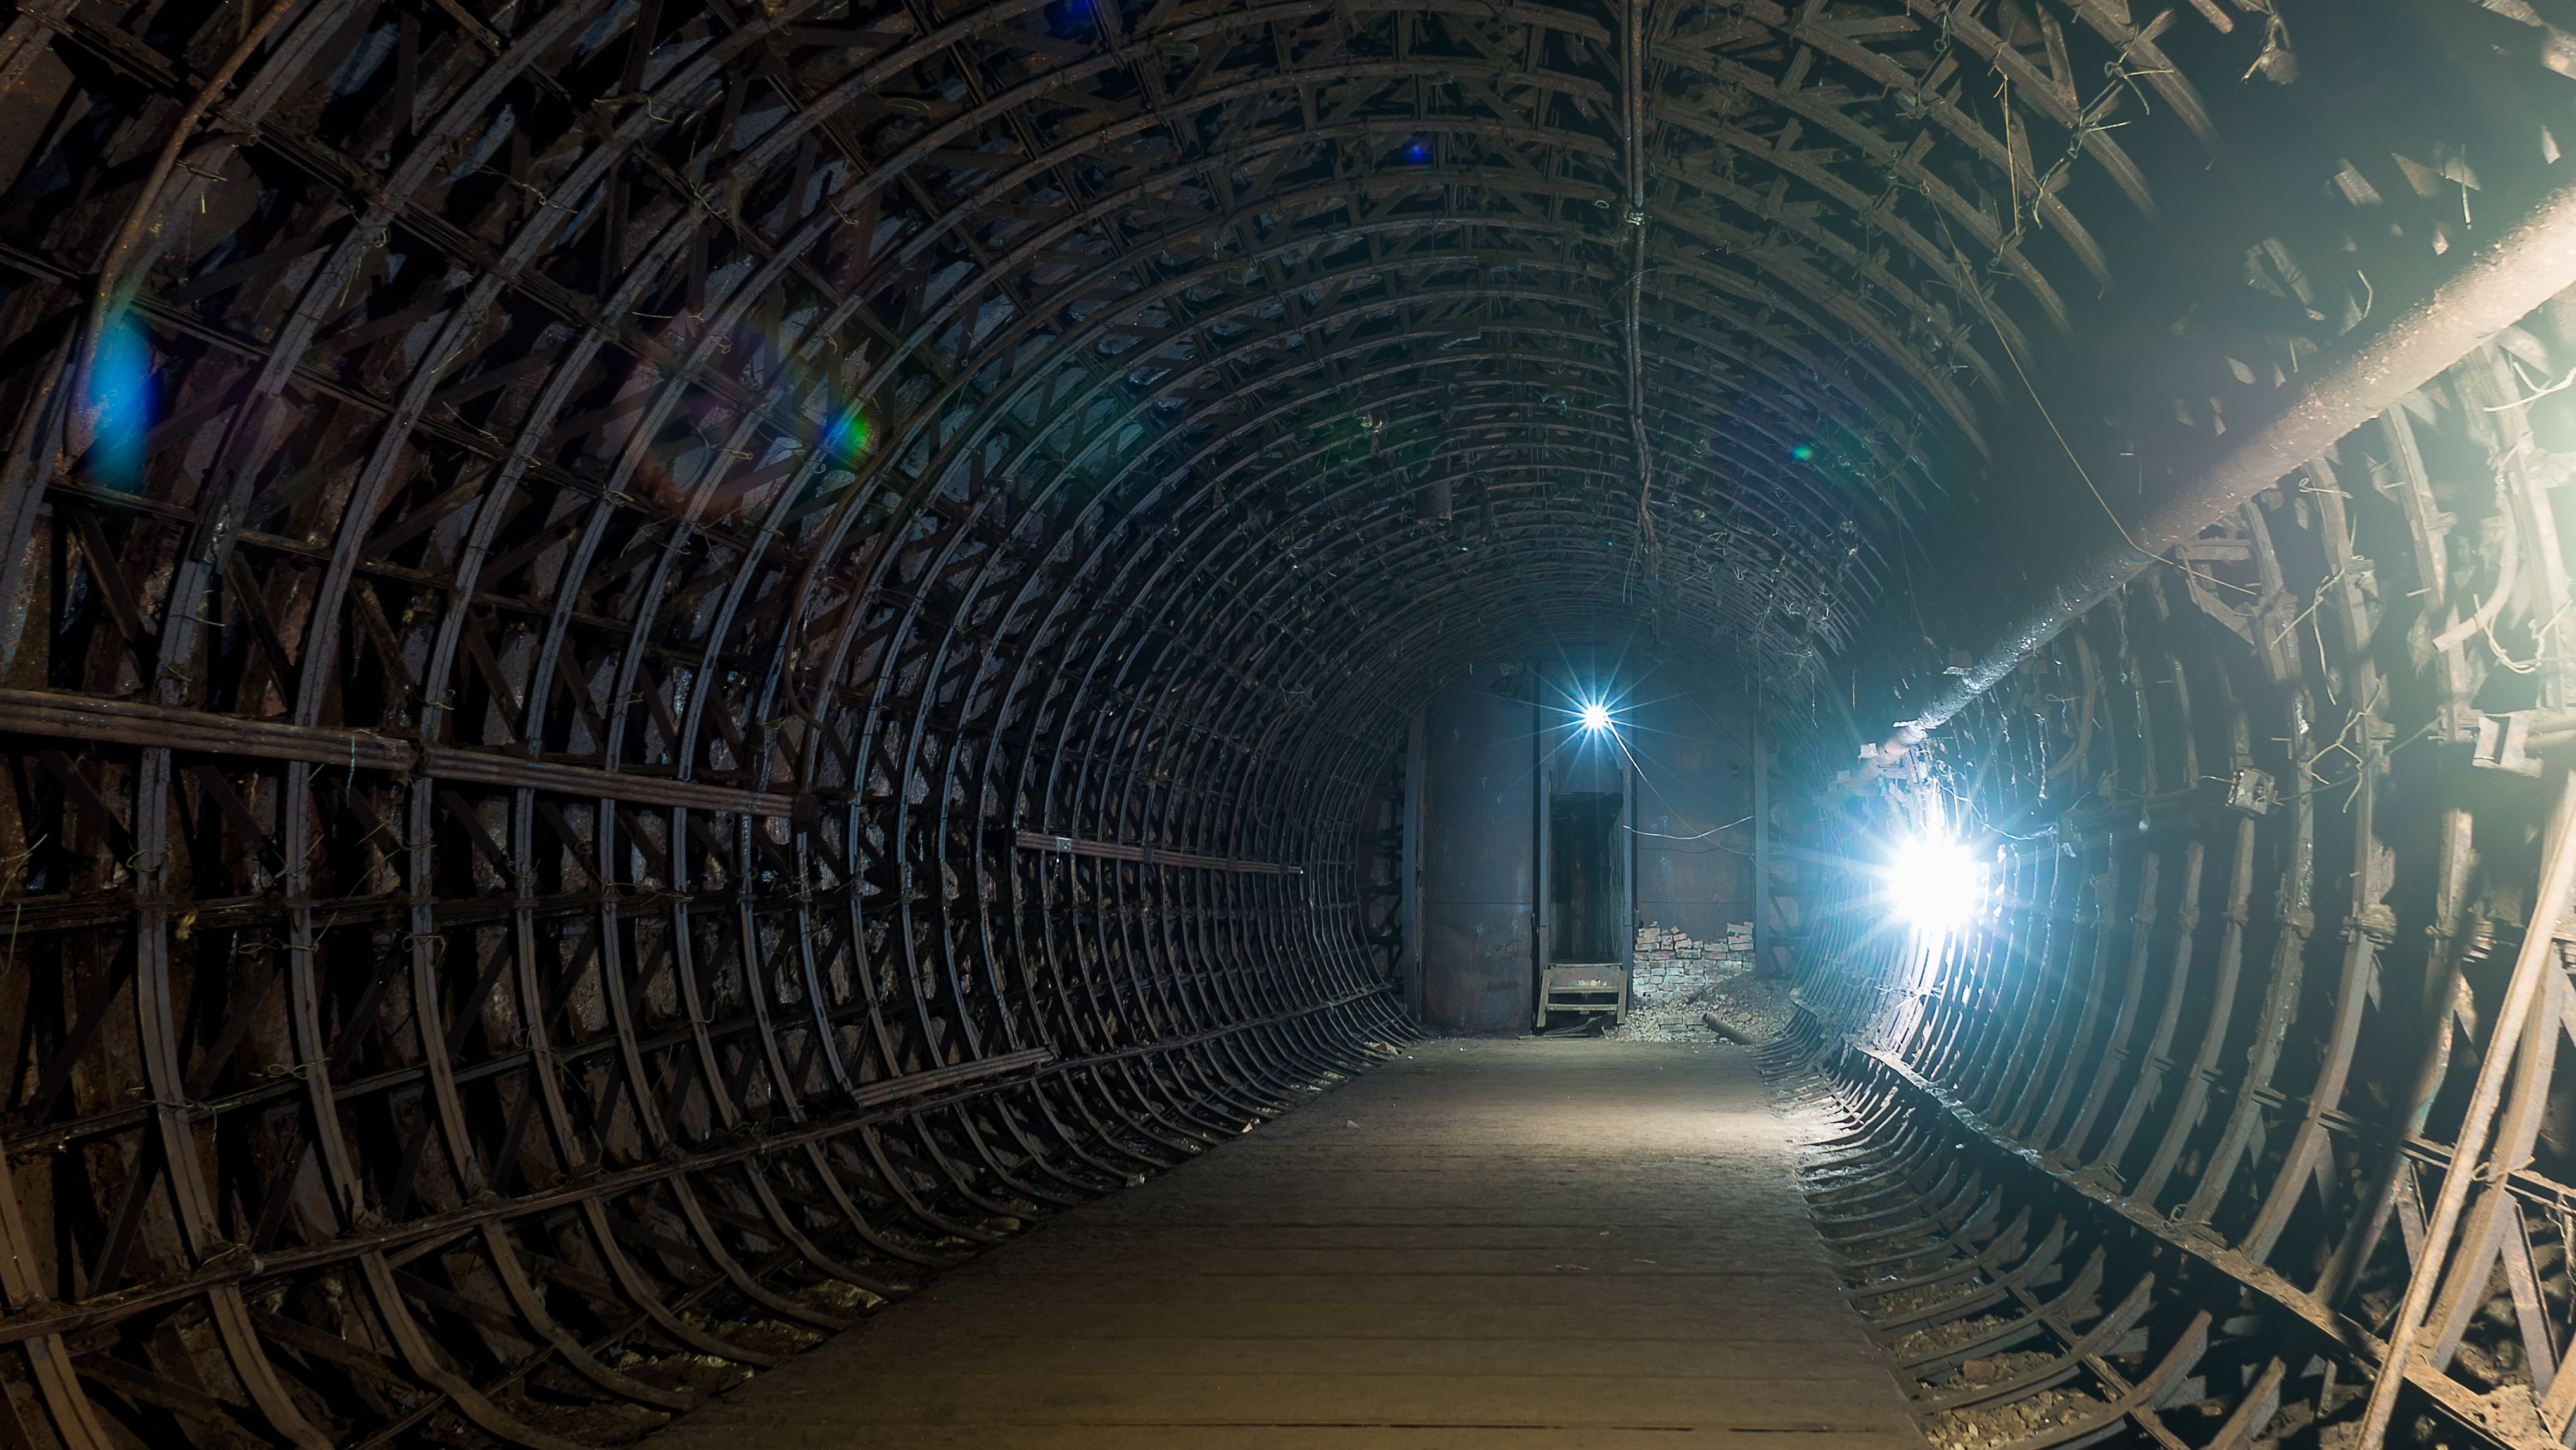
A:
(667, 664)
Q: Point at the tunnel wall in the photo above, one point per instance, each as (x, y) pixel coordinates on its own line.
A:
(396, 1075)
(1692, 744)
(661, 665)
(1685, 835)
(2265, 839)
(434, 1075)
(550, 865)
(1479, 852)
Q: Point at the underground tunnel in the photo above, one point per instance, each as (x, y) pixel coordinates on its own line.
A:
(1248, 723)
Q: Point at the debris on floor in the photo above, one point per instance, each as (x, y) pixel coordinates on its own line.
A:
(1753, 1005)
(1678, 984)
(2003, 1423)
(1925, 1343)
(1898, 1302)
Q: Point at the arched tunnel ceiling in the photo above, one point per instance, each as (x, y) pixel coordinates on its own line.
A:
(1674, 319)
(664, 664)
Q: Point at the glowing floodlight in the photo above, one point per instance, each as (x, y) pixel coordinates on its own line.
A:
(1595, 716)
(1933, 883)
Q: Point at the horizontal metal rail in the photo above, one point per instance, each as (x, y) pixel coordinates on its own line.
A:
(132, 722)
(1149, 855)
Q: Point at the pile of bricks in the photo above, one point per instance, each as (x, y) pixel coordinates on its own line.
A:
(1676, 978)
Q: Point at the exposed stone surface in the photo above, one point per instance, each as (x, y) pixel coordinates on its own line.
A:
(1678, 981)
(2003, 1423)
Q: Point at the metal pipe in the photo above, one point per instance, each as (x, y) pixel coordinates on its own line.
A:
(2497, 288)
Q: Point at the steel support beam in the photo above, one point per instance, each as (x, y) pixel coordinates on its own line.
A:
(60, 716)
(2498, 287)
(1148, 855)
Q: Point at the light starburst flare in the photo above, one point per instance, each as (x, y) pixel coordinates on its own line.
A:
(1934, 882)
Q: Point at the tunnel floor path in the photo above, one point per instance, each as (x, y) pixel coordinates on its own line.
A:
(1489, 1243)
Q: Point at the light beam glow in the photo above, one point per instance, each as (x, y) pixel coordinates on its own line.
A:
(1934, 883)
(1596, 716)
(120, 393)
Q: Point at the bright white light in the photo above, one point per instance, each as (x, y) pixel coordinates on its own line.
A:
(1596, 716)
(1933, 883)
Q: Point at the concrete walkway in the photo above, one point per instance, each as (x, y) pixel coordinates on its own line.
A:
(1495, 1243)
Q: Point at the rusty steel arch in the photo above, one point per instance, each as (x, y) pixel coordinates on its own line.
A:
(2168, 1143)
(740, 647)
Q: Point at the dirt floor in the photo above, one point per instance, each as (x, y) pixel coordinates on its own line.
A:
(1489, 1243)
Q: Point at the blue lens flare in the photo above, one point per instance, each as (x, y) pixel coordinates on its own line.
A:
(845, 437)
(700, 458)
(1803, 452)
(120, 397)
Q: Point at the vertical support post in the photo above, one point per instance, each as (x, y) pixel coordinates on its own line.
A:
(2532, 969)
(1761, 836)
(1627, 884)
(1408, 869)
(1540, 922)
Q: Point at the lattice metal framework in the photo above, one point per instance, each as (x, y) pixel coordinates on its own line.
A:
(665, 664)
(2166, 1145)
